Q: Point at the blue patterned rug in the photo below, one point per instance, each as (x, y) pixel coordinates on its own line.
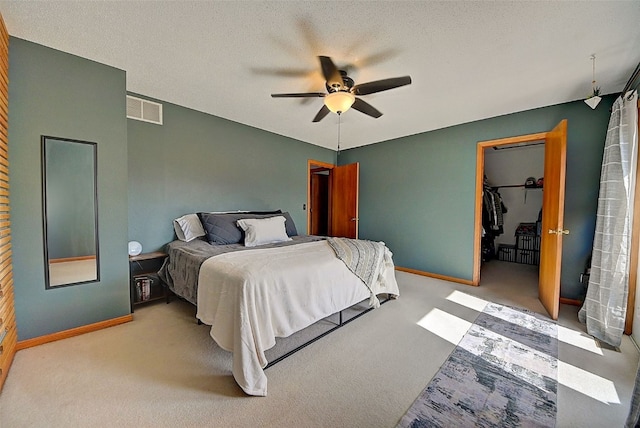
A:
(503, 373)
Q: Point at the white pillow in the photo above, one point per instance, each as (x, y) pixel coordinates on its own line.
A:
(259, 231)
(188, 227)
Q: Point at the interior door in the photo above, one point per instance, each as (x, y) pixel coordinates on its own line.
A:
(344, 200)
(553, 218)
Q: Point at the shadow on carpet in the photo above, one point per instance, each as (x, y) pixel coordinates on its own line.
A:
(503, 373)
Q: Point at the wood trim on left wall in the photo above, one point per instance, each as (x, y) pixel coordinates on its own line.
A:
(65, 334)
(8, 329)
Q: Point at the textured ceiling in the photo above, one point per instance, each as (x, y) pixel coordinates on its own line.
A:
(468, 60)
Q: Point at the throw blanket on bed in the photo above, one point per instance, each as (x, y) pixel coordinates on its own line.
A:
(363, 258)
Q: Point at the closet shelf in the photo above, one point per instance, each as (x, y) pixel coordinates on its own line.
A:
(515, 185)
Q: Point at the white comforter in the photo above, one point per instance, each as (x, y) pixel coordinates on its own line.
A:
(251, 297)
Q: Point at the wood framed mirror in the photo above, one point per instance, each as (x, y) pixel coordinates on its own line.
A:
(70, 211)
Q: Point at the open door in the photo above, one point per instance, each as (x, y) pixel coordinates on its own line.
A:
(344, 200)
(552, 210)
(553, 218)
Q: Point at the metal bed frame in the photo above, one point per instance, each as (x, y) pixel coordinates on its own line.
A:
(340, 323)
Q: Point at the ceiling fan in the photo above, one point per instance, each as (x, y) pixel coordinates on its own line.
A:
(341, 91)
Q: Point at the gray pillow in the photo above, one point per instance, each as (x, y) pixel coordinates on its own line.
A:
(222, 229)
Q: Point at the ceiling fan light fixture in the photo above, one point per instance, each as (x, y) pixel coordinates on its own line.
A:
(341, 91)
(340, 101)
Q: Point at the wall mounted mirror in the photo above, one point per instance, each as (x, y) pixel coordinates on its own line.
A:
(70, 205)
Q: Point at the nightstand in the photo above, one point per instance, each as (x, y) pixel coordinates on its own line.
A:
(145, 285)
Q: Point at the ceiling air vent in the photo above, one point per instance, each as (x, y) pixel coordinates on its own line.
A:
(146, 111)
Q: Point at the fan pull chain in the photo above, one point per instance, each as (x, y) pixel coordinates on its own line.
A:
(338, 134)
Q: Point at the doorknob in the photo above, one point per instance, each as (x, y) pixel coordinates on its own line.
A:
(559, 232)
(354, 219)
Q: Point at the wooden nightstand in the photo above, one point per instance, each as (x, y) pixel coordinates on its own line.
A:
(144, 283)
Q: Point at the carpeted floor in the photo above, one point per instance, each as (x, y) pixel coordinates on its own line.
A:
(164, 370)
(503, 373)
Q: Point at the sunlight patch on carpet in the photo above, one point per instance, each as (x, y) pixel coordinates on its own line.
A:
(587, 383)
(578, 339)
(467, 300)
(443, 324)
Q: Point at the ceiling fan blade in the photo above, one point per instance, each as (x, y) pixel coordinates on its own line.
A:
(366, 108)
(330, 72)
(299, 95)
(380, 85)
(321, 114)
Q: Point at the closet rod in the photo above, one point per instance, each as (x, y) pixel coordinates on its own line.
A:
(508, 185)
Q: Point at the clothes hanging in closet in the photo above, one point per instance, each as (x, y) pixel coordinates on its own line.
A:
(492, 220)
(492, 211)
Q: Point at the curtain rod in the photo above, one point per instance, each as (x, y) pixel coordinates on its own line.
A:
(633, 78)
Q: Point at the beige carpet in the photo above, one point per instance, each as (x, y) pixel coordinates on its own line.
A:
(163, 369)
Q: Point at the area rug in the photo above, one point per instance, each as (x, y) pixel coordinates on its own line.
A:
(503, 373)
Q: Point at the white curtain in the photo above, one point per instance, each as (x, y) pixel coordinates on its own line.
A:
(605, 306)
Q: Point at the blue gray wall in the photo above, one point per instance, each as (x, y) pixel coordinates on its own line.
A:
(57, 94)
(199, 162)
(417, 192)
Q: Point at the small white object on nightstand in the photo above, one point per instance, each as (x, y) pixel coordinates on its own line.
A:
(135, 248)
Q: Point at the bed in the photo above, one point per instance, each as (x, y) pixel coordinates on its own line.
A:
(250, 293)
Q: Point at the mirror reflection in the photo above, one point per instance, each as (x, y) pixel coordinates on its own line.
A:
(70, 211)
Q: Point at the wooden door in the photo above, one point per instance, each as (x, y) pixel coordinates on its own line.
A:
(344, 200)
(552, 218)
(8, 331)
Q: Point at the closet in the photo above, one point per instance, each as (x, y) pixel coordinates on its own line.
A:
(555, 159)
(512, 203)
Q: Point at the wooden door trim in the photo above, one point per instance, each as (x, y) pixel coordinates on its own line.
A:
(635, 246)
(475, 280)
(312, 165)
